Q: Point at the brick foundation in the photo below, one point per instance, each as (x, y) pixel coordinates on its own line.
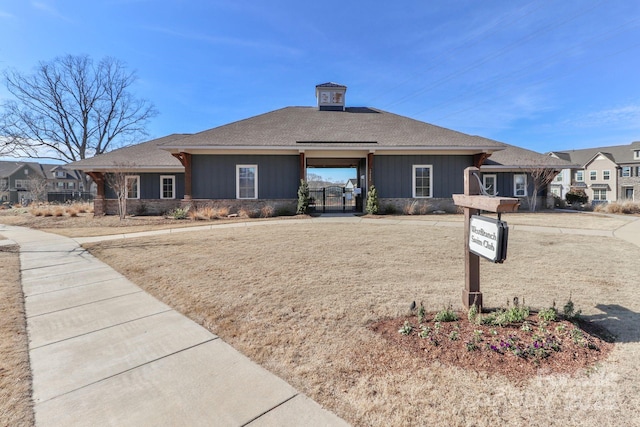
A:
(137, 207)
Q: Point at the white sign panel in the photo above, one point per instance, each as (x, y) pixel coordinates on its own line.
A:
(487, 238)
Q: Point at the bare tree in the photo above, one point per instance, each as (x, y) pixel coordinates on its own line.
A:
(38, 188)
(118, 180)
(541, 177)
(72, 108)
(7, 145)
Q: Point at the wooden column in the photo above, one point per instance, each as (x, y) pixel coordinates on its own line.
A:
(185, 159)
(369, 170)
(303, 167)
(471, 294)
(98, 178)
(99, 203)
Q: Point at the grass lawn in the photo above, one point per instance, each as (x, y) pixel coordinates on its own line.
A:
(15, 377)
(301, 299)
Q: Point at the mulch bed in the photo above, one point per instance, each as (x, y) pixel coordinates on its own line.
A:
(510, 351)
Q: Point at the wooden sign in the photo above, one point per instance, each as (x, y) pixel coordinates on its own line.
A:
(472, 202)
(488, 238)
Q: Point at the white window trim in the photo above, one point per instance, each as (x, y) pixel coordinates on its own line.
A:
(126, 187)
(173, 186)
(593, 175)
(580, 176)
(413, 181)
(628, 169)
(606, 175)
(600, 192)
(255, 184)
(525, 185)
(495, 182)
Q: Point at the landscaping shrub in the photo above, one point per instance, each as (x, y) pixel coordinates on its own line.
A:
(284, 210)
(267, 211)
(372, 201)
(410, 208)
(576, 196)
(558, 202)
(249, 213)
(303, 198)
(222, 212)
(179, 213)
(446, 315)
(389, 209)
(627, 207)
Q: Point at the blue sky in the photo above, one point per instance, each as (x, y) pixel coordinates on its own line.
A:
(544, 75)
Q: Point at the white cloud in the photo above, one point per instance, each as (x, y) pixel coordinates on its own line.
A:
(625, 116)
(229, 41)
(6, 15)
(50, 10)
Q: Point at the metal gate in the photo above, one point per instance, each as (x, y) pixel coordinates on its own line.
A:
(332, 199)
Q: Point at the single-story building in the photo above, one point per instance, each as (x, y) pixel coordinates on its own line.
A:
(260, 160)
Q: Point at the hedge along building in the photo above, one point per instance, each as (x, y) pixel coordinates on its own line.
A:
(261, 160)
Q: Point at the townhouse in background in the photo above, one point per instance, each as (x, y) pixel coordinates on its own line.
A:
(23, 182)
(605, 174)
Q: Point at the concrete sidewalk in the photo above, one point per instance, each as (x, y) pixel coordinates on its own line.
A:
(104, 352)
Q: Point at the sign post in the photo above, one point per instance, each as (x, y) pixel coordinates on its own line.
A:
(483, 235)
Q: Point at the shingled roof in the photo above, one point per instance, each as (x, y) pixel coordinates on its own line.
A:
(513, 157)
(617, 153)
(146, 155)
(8, 168)
(308, 128)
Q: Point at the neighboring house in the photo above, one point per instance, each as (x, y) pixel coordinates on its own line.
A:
(606, 174)
(22, 182)
(64, 184)
(260, 160)
(351, 184)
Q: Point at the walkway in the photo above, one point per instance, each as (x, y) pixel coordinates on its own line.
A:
(629, 232)
(104, 352)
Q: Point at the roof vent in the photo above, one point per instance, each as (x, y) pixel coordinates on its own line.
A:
(330, 96)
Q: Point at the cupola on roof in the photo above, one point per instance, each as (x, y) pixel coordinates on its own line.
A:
(331, 96)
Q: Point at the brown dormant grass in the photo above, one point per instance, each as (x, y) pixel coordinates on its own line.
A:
(15, 377)
(78, 223)
(299, 299)
(624, 207)
(86, 225)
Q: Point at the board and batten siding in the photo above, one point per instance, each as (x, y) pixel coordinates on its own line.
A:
(150, 185)
(214, 176)
(393, 175)
(504, 183)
